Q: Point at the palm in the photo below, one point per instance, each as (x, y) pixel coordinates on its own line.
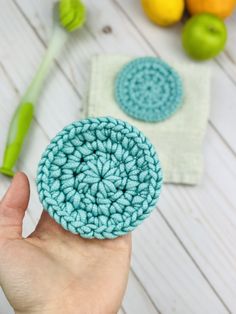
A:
(54, 268)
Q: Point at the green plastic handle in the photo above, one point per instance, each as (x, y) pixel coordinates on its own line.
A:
(72, 15)
(18, 130)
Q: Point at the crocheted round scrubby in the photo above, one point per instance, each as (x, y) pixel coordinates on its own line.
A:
(148, 89)
(99, 178)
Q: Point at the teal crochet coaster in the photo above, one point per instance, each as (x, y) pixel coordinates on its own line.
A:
(99, 178)
(149, 89)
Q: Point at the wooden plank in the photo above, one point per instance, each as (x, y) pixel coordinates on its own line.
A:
(114, 41)
(167, 272)
(136, 299)
(5, 308)
(230, 47)
(204, 219)
(228, 58)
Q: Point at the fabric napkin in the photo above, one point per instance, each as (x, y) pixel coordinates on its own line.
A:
(178, 140)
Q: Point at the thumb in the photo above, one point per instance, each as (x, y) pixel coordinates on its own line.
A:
(13, 207)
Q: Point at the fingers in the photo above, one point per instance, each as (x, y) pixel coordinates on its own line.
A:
(13, 207)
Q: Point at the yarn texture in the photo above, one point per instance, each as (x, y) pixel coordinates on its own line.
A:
(99, 177)
(179, 139)
(149, 89)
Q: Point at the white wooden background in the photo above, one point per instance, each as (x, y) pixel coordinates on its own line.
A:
(184, 256)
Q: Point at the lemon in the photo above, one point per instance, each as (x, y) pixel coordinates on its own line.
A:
(163, 12)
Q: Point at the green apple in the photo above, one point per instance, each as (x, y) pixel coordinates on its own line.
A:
(204, 36)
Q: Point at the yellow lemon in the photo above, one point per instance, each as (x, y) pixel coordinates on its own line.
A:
(163, 12)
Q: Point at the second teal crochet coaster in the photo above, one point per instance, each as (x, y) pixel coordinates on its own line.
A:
(99, 178)
(149, 89)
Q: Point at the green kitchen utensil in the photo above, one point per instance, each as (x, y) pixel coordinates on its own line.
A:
(72, 15)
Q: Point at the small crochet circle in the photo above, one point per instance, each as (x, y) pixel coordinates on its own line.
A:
(99, 178)
(148, 89)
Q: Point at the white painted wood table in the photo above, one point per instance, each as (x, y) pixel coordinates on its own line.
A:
(184, 256)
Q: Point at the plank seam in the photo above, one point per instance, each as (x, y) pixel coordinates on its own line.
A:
(194, 262)
(145, 291)
(222, 138)
(123, 310)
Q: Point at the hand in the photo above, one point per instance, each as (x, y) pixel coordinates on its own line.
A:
(54, 271)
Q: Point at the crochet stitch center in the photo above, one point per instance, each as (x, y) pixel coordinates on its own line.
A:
(99, 178)
(148, 89)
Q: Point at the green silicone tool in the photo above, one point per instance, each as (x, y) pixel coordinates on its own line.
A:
(72, 15)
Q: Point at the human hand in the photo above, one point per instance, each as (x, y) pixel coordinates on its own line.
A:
(54, 271)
